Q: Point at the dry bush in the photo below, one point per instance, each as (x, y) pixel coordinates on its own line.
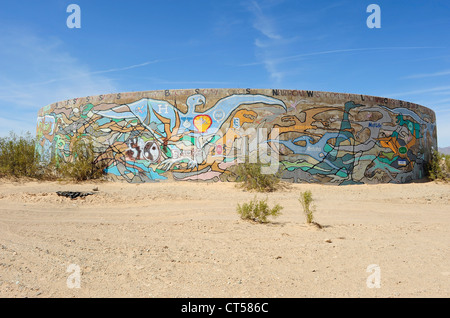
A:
(18, 157)
(83, 165)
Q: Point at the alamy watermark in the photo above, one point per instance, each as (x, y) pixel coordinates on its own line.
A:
(244, 145)
(373, 20)
(74, 19)
(374, 279)
(74, 279)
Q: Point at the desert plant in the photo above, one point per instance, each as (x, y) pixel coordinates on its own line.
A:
(250, 176)
(83, 165)
(447, 163)
(438, 168)
(17, 156)
(306, 201)
(258, 210)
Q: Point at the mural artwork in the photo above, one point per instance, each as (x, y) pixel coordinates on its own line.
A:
(199, 135)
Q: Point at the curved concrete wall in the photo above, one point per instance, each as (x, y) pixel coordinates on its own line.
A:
(198, 134)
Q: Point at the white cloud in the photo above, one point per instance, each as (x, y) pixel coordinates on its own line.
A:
(20, 125)
(435, 74)
(159, 80)
(81, 75)
(420, 91)
(263, 23)
(47, 73)
(297, 57)
(270, 42)
(38, 71)
(442, 101)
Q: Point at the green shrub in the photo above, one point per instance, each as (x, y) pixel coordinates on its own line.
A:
(251, 177)
(18, 157)
(447, 163)
(258, 210)
(83, 165)
(306, 200)
(439, 166)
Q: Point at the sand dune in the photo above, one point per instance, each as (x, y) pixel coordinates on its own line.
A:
(185, 239)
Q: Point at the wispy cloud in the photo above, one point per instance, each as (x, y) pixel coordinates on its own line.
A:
(442, 101)
(420, 91)
(441, 93)
(301, 56)
(44, 71)
(263, 23)
(158, 80)
(270, 41)
(435, 74)
(37, 71)
(89, 74)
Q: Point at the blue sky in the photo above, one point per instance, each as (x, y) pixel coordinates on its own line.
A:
(291, 44)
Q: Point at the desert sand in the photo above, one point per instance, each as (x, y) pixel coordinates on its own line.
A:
(185, 239)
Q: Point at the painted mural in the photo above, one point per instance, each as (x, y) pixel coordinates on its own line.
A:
(200, 134)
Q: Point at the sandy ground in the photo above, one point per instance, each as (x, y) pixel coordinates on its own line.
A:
(186, 239)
